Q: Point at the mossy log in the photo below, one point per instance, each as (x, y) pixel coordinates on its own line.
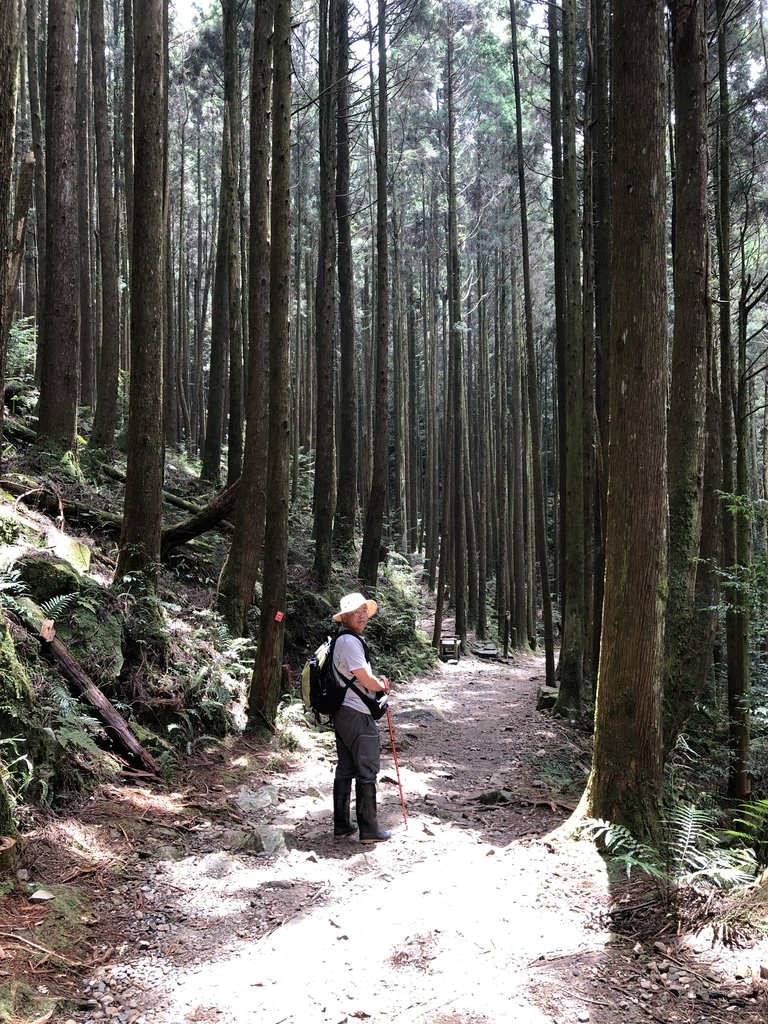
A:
(116, 726)
(58, 507)
(205, 519)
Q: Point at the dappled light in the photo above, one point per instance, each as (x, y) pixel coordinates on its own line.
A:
(229, 900)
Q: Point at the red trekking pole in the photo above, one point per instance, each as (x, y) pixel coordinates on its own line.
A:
(397, 766)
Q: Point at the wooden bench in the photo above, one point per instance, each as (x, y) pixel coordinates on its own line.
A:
(450, 647)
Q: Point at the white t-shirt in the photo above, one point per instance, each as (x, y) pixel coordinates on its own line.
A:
(349, 654)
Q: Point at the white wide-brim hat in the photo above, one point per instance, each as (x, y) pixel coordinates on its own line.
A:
(351, 602)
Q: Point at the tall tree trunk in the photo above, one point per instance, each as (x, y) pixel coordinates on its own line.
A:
(688, 395)
(85, 220)
(105, 420)
(59, 383)
(38, 150)
(9, 63)
(733, 618)
(325, 296)
(519, 450)
(533, 401)
(554, 21)
(142, 518)
(265, 685)
(456, 359)
(128, 128)
(346, 494)
(602, 216)
(572, 515)
(245, 554)
(232, 99)
(625, 782)
(739, 779)
(374, 518)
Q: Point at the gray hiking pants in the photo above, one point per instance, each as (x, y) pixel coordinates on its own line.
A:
(357, 745)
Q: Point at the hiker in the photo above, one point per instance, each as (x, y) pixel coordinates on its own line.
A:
(357, 736)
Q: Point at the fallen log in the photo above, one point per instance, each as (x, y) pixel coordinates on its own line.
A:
(169, 496)
(212, 515)
(117, 728)
(58, 507)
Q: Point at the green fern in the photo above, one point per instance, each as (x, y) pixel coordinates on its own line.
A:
(71, 735)
(54, 607)
(624, 848)
(753, 819)
(12, 587)
(693, 851)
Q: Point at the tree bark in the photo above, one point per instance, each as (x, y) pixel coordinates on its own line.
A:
(239, 574)
(572, 413)
(325, 296)
(267, 673)
(59, 382)
(625, 782)
(232, 100)
(374, 516)
(9, 58)
(688, 396)
(140, 538)
(533, 401)
(37, 149)
(346, 496)
(105, 419)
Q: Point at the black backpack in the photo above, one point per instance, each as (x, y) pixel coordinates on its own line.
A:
(323, 689)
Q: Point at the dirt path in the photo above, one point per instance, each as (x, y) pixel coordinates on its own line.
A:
(472, 913)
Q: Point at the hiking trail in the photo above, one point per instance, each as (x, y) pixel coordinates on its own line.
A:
(229, 901)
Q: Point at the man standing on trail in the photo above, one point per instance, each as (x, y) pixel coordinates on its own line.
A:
(358, 750)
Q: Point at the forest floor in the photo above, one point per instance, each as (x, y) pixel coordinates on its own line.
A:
(475, 912)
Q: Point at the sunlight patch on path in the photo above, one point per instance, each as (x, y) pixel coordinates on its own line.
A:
(463, 928)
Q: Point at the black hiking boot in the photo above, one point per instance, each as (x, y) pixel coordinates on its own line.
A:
(367, 817)
(342, 826)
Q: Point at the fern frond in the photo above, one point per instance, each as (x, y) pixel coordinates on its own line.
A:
(55, 606)
(691, 837)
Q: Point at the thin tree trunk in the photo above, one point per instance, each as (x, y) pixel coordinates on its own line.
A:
(374, 518)
(267, 674)
(140, 538)
(37, 149)
(105, 420)
(533, 401)
(572, 514)
(346, 497)
(325, 296)
(245, 555)
(59, 384)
